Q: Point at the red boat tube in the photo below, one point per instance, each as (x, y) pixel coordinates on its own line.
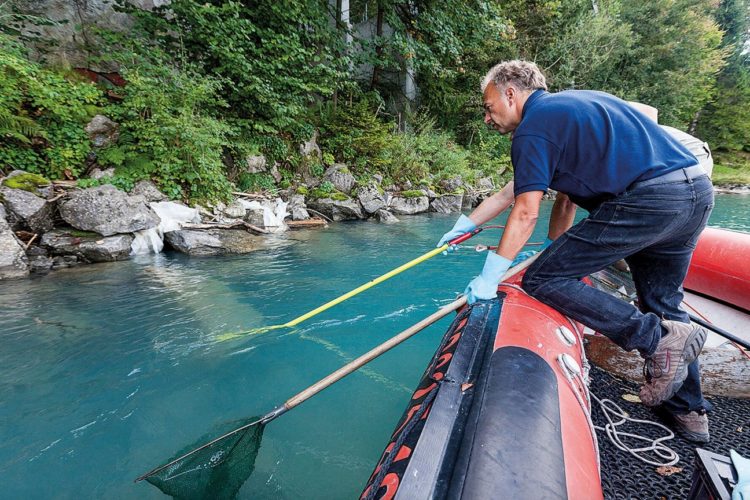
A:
(720, 267)
(502, 411)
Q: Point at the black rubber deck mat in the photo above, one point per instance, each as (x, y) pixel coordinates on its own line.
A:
(626, 477)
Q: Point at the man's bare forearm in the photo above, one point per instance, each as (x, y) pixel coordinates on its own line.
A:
(561, 219)
(493, 206)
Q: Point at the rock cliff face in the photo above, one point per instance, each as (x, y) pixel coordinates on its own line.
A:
(75, 21)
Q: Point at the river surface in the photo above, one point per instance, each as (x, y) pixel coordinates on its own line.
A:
(107, 370)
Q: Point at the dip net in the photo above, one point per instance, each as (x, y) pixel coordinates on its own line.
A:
(216, 470)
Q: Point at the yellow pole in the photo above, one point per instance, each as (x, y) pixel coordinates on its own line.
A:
(338, 300)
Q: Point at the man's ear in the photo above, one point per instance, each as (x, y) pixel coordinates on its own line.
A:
(510, 93)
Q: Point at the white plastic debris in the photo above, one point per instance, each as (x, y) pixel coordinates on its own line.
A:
(172, 216)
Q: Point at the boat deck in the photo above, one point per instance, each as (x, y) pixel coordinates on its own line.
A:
(625, 477)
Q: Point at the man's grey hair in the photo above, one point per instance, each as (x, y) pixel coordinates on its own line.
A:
(523, 75)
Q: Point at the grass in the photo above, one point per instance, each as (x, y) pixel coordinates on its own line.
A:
(731, 168)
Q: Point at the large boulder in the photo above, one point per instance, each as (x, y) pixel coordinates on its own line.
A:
(87, 247)
(102, 131)
(149, 191)
(452, 185)
(200, 243)
(27, 211)
(409, 206)
(107, 210)
(13, 261)
(446, 204)
(337, 210)
(371, 199)
(340, 177)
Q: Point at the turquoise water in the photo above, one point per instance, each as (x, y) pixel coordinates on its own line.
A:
(107, 370)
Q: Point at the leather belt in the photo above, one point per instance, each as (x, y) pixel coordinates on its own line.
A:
(683, 174)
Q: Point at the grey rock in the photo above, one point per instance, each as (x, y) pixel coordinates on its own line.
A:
(235, 210)
(200, 243)
(63, 261)
(40, 263)
(13, 260)
(371, 199)
(255, 217)
(385, 217)
(407, 185)
(297, 207)
(274, 171)
(26, 211)
(88, 248)
(409, 206)
(300, 213)
(377, 178)
(485, 184)
(451, 185)
(338, 210)
(42, 191)
(340, 177)
(149, 191)
(107, 211)
(449, 203)
(255, 164)
(311, 147)
(98, 173)
(102, 131)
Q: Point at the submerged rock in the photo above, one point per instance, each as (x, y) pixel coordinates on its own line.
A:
(107, 210)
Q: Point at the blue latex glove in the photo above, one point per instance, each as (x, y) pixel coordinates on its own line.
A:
(463, 225)
(484, 286)
(522, 256)
(741, 490)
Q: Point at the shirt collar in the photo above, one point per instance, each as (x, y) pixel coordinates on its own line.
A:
(531, 100)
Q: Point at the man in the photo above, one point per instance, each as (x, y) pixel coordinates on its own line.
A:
(648, 202)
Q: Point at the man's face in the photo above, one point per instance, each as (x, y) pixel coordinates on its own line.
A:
(501, 109)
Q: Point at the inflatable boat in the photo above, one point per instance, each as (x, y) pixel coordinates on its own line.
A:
(502, 411)
(503, 408)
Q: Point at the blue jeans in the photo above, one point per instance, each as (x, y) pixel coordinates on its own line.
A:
(655, 229)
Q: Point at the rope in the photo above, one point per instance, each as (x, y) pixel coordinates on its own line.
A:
(657, 446)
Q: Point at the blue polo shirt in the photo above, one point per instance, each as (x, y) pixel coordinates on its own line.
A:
(589, 145)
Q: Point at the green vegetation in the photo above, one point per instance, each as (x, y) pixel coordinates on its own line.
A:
(411, 193)
(210, 83)
(731, 168)
(27, 182)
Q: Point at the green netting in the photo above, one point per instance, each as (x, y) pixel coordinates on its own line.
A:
(217, 471)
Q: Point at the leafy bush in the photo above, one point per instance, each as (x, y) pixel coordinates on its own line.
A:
(168, 133)
(42, 116)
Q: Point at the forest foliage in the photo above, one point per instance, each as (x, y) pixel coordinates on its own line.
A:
(212, 82)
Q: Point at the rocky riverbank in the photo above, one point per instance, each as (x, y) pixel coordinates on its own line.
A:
(52, 225)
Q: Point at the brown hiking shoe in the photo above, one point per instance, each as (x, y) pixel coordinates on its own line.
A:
(667, 368)
(692, 426)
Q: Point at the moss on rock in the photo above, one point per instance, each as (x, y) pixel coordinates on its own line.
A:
(414, 193)
(26, 181)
